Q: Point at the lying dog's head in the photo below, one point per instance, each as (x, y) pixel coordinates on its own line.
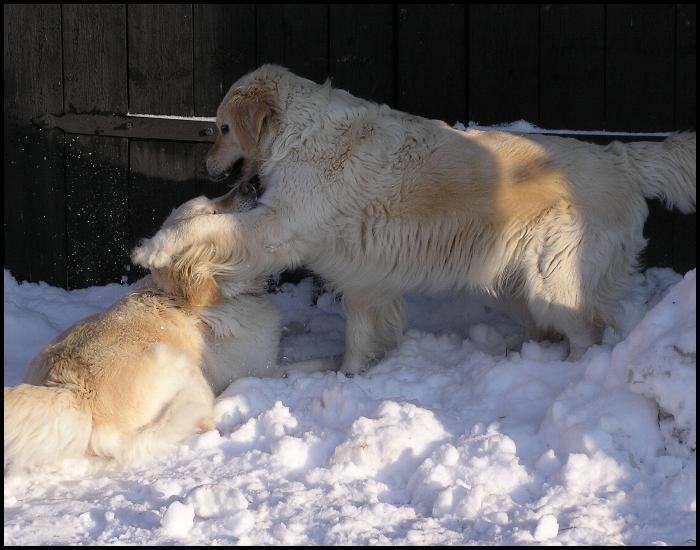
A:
(197, 274)
(246, 116)
(240, 198)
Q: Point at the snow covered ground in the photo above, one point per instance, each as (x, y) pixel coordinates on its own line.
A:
(449, 440)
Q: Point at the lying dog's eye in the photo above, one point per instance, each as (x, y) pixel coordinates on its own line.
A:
(224, 128)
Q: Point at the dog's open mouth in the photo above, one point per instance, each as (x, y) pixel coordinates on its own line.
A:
(233, 174)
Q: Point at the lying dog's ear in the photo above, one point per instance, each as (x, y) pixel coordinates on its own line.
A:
(248, 109)
(192, 277)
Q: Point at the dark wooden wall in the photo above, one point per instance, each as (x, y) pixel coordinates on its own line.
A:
(77, 201)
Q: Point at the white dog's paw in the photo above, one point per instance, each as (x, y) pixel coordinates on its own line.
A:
(152, 253)
(353, 368)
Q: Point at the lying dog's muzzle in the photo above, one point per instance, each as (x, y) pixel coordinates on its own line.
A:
(233, 174)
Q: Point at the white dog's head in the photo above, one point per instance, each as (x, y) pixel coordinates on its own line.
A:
(198, 275)
(248, 114)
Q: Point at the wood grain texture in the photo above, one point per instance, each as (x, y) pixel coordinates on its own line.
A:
(94, 53)
(572, 66)
(295, 36)
(161, 68)
(362, 50)
(503, 63)
(34, 191)
(686, 65)
(639, 77)
(431, 58)
(224, 50)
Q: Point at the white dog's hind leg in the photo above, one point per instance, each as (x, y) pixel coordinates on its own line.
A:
(558, 301)
(372, 329)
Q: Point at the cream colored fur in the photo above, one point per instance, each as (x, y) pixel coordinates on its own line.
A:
(380, 202)
(140, 377)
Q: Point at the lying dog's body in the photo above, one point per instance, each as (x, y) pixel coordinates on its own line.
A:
(130, 382)
(380, 202)
(141, 376)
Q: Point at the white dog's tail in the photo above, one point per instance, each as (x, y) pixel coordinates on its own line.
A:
(666, 170)
(43, 424)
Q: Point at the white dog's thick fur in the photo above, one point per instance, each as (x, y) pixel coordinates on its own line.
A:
(141, 376)
(380, 202)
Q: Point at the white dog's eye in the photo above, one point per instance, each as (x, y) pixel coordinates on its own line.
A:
(224, 128)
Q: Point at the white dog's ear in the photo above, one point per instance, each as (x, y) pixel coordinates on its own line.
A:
(192, 277)
(248, 109)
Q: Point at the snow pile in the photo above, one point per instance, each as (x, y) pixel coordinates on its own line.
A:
(663, 368)
(449, 440)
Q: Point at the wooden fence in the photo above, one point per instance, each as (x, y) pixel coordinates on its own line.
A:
(85, 180)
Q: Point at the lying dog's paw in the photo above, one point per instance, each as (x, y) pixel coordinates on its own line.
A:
(152, 253)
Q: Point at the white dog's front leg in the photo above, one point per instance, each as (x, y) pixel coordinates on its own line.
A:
(373, 327)
(159, 250)
(257, 242)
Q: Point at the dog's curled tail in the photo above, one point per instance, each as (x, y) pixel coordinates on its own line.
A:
(43, 424)
(666, 170)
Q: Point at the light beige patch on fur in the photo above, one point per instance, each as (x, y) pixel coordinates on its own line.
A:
(527, 189)
(247, 110)
(525, 181)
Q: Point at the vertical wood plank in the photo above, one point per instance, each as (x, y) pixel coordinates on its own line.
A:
(362, 50)
(34, 209)
(295, 36)
(572, 61)
(686, 61)
(224, 50)
(684, 242)
(658, 229)
(160, 59)
(503, 63)
(95, 65)
(639, 75)
(431, 61)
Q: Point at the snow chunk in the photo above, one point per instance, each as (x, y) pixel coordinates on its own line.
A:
(211, 501)
(547, 528)
(390, 445)
(477, 477)
(178, 519)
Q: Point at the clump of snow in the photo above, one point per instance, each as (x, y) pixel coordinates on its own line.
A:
(215, 500)
(547, 528)
(472, 478)
(452, 439)
(178, 519)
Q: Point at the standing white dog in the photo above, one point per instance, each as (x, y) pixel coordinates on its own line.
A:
(141, 376)
(379, 202)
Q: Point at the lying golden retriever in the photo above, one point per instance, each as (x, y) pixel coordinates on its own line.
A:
(380, 202)
(141, 376)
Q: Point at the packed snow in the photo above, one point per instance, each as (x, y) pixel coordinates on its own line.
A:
(451, 439)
